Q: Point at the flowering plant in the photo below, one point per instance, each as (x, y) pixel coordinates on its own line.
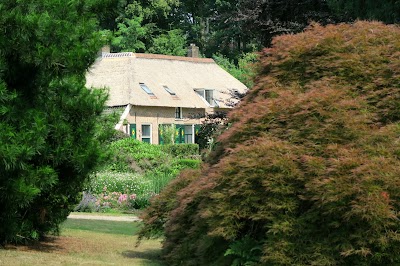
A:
(114, 199)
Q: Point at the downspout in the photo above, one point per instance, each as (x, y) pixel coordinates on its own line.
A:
(123, 116)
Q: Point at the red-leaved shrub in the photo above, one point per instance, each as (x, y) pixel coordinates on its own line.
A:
(309, 172)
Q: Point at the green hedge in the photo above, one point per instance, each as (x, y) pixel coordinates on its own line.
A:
(181, 150)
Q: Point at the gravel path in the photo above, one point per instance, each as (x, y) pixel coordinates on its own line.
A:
(106, 218)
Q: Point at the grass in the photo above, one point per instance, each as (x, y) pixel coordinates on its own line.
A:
(87, 242)
(109, 227)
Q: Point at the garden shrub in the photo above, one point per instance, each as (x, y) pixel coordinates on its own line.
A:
(181, 150)
(188, 163)
(308, 173)
(139, 168)
(157, 214)
(117, 182)
(129, 155)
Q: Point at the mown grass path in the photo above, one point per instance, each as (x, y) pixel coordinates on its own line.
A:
(125, 218)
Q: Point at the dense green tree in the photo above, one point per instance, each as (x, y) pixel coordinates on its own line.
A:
(48, 119)
(244, 71)
(130, 35)
(144, 27)
(233, 28)
(171, 43)
(307, 174)
(387, 11)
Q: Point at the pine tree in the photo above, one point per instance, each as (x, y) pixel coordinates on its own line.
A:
(47, 116)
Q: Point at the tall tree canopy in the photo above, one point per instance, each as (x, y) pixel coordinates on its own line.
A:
(47, 116)
(227, 27)
(387, 11)
(230, 27)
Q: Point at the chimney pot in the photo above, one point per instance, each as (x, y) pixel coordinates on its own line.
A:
(193, 51)
(104, 50)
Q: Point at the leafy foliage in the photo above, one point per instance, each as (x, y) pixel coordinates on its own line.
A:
(157, 214)
(129, 34)
(168, 134)
(386, 11)
(172, 42)
(141, 28)
(211, 128)
(48, 118)
(244, 71)
(181, 150)
(309, 169)
(246, 250)
(139, 168)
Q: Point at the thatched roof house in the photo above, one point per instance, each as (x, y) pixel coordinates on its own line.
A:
(160, 89)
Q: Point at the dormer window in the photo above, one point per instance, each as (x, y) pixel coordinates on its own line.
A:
(171, 92)
(207, 95)
(178, 113)
(146, 89)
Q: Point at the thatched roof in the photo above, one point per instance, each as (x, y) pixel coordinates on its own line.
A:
(122, 73)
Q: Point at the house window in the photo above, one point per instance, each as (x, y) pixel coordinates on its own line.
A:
(171, 92)
(146, 89)
(178, 112)
(189, 134)
(146, 133)
(207, 95)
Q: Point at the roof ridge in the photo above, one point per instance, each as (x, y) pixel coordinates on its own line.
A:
(158, 56)
(115, 55)
(172, 57)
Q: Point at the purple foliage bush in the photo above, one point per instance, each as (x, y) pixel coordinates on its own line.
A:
(309, 171)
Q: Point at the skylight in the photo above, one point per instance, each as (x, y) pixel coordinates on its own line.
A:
(169, 90)
(146, 89)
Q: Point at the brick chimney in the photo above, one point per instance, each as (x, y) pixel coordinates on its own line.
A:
(104, 50)
(193, 51)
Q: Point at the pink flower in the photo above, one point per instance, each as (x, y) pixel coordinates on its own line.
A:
(132, 197)
(122, 198)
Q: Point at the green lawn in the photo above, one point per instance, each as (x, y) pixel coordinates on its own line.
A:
(87, 242)
(99, 226)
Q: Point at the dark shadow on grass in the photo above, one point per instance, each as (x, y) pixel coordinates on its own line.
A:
(149, 254)
(48, 244)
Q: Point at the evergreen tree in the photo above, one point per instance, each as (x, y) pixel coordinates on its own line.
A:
(387, 11)
(47, 116)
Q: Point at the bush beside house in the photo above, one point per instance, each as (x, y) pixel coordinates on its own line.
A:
(135, 172)
(308, 172)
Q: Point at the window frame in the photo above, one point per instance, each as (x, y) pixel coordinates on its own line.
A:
(146, 89)
(203, 93)
(150, 137)
(178, 113)
(171, 92)
(186, 135)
